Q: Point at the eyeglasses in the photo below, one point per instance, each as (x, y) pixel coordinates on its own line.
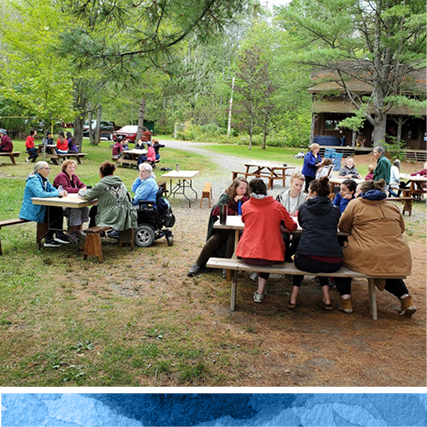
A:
(48, 169)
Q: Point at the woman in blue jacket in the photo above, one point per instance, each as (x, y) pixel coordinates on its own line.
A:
(145, 186)
(311, 162)
(38, 185)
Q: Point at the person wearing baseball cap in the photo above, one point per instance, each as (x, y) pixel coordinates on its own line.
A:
(6, 144)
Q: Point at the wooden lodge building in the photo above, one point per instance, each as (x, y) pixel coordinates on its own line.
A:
(331, 105)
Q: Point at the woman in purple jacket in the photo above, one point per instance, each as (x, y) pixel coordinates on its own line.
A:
(71, 183)
(311, 162)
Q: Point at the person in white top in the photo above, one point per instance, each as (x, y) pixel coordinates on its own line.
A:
(325, 169)
(292, 199)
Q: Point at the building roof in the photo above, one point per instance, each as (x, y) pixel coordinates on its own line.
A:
(346, 107)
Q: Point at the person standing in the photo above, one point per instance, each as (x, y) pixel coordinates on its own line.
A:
(6, 144)
(383, 168)
(29, 144)
(312, 161)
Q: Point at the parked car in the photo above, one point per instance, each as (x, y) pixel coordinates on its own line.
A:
(130, 131)
(106, 128)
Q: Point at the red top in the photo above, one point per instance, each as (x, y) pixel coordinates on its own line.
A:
(62, 145)
(151, 154)
(29, 143)
(262, 237)
(422, 173)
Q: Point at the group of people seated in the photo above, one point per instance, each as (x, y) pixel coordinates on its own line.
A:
(114, 207)
(122, 144)
(374, 244)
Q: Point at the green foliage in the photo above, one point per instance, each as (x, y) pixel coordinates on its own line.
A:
(394, 148)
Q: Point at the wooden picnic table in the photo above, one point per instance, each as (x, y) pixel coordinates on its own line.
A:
(417, 189)
(72, 200)
(50, 153)
(262, 169)
(11, 155)
(133, 156)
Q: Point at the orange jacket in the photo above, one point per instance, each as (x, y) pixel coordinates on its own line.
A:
(262, 237)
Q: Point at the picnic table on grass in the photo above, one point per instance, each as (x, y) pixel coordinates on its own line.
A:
(185, 180)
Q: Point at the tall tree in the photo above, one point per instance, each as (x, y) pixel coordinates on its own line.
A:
(377, 42)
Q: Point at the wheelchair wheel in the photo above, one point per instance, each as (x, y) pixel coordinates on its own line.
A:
(144, 236)
(169, 238)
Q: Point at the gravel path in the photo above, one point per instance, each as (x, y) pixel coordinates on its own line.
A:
(220, 181)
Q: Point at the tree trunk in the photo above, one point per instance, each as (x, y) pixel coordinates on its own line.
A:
(264, 138)
(89, 118)
(80, 106)
(97, 133)
(140, 119)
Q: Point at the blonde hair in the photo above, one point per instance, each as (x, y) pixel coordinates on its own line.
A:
(66, 163)
(371, 168)
(313, 146)
(297, 175)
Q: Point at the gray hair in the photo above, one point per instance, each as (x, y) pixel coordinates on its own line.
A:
(148, 168)
(380, 149)
(38, 166)
(397, 163)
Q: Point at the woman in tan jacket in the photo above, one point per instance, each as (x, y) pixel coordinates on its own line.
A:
(376, 245)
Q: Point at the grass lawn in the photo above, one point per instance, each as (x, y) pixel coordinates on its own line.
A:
(138, 320)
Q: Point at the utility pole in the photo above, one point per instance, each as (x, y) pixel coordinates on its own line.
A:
(231, 105)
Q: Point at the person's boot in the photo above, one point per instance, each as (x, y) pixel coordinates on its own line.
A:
(345, 305)
(407, 307)
(194, 270)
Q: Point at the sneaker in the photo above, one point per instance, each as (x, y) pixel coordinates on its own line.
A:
(259, 297)
(254, 277)
(331, 283)
(224, 273)
(194, 270)
(114, 234)
(27, 160)
(51, 243)
(62, 238)
(345, 305)
(74, 237)
(407, 307)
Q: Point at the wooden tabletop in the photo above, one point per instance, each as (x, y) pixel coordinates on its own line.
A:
(71, 201)
(136, 151)
(415, 178)
(234, 222)
(340, 179)
(261, 164)
(180, 174)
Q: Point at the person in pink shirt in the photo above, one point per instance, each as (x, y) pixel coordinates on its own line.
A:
(29, 145)
(151, 155)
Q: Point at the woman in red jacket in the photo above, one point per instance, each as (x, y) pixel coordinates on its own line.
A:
(69, 181)
(262, 243)
(62, 144)
(29, 145)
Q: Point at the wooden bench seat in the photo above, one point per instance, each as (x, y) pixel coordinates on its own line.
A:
(127, 161)
(93, 244)
(407, 203)
(77, 156)
(11, 155)
(289, 268)
(206, 193)
(7, 222)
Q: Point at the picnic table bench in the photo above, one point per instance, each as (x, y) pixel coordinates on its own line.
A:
(8, 222)
(289, 268)
(11, 155)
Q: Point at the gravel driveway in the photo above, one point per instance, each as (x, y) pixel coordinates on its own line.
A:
(220, 181)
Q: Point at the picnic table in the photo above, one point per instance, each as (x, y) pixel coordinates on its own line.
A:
(132, 156)
(11, 155)
(185, 180)
(262, 169)
(72, 201)
(50, 153)
(417, 189)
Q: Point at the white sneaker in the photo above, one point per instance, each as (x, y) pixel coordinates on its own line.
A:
(254, 277)
(259, 297)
